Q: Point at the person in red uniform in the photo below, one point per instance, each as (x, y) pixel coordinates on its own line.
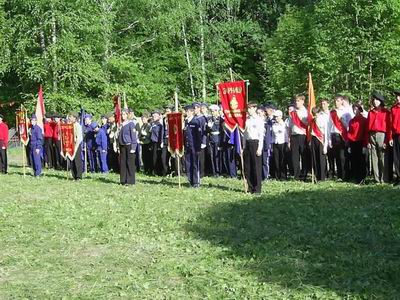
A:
(357, 144)
(379, 137)
(3, 145)
(58, 161)
(395, 115)
(48, 141)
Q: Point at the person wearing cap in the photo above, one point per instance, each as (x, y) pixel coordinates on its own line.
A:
(228, 151)
(203, 123)
(267, 156)
(252, 149)
(319, 142)
(193, 135)
(101, 145)
(298, 125)
(165, 155)
(3, 145)
(76, 164)
(90, 142)
(379, 137)
(36, 139)
(112, 133)
(145, 142)
(156, 139)
(280, 138)
(395, 116)
(127, 140)
(48, 141)
(357, 145)
(339, 119)
(214, 132)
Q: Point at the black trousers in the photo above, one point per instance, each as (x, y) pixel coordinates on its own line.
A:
(338, 150)
(358, 162)
(3, 161)
(252, 166)
(165, 156)
(147, 158)
(49, 152)
(156, 162)
(388, 169)
(396, 155)
(202, 161)
(76, 164)
(127, 167)
(300, 150)
(279, 151)
(113, 159)
(59, 162)
(318, 159)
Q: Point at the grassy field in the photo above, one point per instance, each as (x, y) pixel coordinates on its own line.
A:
(95, 239)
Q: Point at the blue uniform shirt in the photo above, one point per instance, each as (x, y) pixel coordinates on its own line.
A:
(128, 135)
(101, 139)
(157, 131)
(193, 135)
(36, 138)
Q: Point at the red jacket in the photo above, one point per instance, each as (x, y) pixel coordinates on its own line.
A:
(379, 121)
(395, 119)
(48, 130)
(3, 135)
(357, 129)
(56, 131)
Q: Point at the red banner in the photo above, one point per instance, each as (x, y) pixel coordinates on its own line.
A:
(67, 141)
(117, 109)
(234, 104)
(175, 131)
(22, 124)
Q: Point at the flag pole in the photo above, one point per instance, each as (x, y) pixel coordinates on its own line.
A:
(177, 157)
(313, 180)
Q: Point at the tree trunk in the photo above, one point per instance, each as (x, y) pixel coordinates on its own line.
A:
(54, 50)
(202, 51)
(189, 64)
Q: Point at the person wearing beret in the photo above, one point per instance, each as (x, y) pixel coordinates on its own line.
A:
(76, 164)
(193, 136)
(203, 126)
(395, 115)
(101, 145)
(144, 137)
(58, 162)
(267, 156)
(214, 129)
(127, 140)
(36, 138)
(379, 137)
(3, 146)
(112, 133)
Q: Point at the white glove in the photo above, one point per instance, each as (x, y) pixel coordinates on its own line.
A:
(349, 150)
(132, 151)
(203, 146)
(364, 150)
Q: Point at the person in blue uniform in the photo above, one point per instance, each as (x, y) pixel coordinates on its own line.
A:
(156, 138)
(165, 155)
(101, 146)
(267, 147)
(214, 136)
(203, 124)
(36, 138)
(127, 140)
(90, 141)
(193, 135)
(228, 151)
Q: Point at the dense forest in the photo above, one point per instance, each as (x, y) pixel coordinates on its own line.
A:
(85, 51)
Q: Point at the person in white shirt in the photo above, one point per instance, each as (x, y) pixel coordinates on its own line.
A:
(319, 143)
(337, 131)
(280, 138)
(252, 149)
(298, 124)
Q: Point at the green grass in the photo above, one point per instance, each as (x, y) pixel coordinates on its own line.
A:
(95, 239)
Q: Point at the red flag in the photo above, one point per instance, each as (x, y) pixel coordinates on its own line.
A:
(117, 109)
(40, 110)
(234, 104)
(67, 141)
(22, 125)
(175, 131)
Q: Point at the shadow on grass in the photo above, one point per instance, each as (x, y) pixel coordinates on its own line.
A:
(344, 240)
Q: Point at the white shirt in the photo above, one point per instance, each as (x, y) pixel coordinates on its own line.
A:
(255, 130)
(344, 115)
(303, 116)
(280, 133)
(322, 121)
